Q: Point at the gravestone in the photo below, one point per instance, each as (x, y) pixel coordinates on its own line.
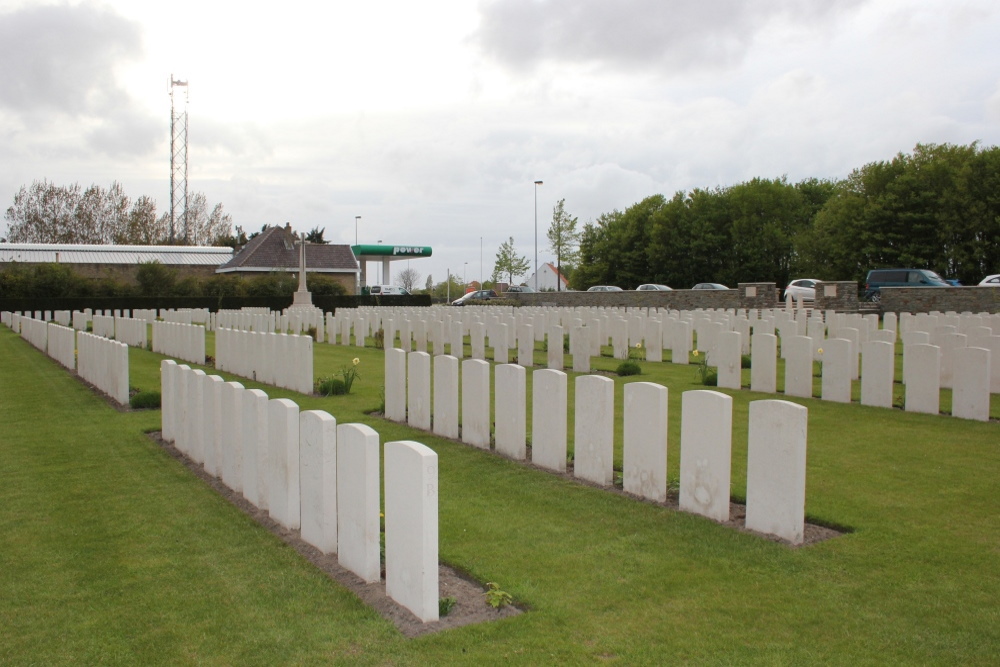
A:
(411, 527)
(548, 419)
(511, 397)
(706, 447)
(593, 449)
(446, 396)
(644, 462)
(318, 479)
(776, 469)
(476, 403)
(283, 460)
(418, 390)
(358, 501)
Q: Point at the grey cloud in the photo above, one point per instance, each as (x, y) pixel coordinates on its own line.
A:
(59, 65)
(673, 36)
(62, 58)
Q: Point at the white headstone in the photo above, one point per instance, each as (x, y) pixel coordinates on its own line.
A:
(706, 447)
(922, 370)
(776, 469)
(593, 440)
(446, 396)
(476, 403)
(511, 404)
(548, 419)
(318, 479)
(418, 390)
(358, 501)
(283, 460)
(970, 396)
(644, 455)
(411, 527)
(877, 370)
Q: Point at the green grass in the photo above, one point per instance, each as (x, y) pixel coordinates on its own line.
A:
(112, 552)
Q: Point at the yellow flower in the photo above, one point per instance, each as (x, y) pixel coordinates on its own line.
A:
(356, 361)
(696, 353)
(820, 350)
(638, 346)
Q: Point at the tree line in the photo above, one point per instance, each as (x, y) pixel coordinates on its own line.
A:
(48, 213)
(936, 208)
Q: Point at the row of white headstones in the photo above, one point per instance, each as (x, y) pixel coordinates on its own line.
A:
(316, 476)
(776, 457)
(100, 361)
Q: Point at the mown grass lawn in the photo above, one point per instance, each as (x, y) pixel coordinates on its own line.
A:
(112, 552)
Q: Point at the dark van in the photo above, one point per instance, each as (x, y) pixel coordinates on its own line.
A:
(879, 278)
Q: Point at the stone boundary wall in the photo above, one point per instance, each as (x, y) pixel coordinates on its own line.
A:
(675, 299)
(838, 295)
(942, 299)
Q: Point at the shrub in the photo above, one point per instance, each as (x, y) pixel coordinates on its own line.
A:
(331, 387)
(628, 368)
(745, 361)
(145, 400)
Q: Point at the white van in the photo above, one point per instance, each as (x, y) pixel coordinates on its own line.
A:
(387, 290)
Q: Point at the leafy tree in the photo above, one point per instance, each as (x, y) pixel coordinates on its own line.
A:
(407, 278)
(509, 263)
(156, 279)
(563, 238)
(315, 235)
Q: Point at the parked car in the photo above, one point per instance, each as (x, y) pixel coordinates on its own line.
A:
(387, 290)
(650, 287)
(477, 295)
(604, 288)
(519, 289)
(709, 286)
(990, 281)
(802, 287)
(879, 278)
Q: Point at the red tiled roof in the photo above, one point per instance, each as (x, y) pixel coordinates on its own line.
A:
(274, 250)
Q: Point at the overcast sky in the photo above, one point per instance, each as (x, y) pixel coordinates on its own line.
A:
(432, 120)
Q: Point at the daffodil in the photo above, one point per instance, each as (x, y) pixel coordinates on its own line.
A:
(696, 353)
(820, 350)
(356, 361)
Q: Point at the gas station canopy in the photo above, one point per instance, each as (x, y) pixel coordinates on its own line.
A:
(385, 254)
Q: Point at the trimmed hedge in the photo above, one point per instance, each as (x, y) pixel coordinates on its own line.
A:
(326, 303)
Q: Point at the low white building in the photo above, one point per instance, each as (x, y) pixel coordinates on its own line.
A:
(549, 279)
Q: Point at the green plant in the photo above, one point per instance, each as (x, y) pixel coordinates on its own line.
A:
(331, 386)
(380, 339)
(628, 368)
(497, 598)
(311, 331)
(706, 375)
(637, 352)
(349, 374)
(145, 400)
(445, 605)
(745, 361)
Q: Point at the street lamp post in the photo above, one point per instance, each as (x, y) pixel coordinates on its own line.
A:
(356, 218)
(537, 183)
(465, 275)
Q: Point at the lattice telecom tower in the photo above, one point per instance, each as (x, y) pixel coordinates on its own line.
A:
(178, 160)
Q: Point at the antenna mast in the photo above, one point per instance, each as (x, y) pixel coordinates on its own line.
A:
(178, 160)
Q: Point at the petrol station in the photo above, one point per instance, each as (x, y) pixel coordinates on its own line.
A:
(385, 254)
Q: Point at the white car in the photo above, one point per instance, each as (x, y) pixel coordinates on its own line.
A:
(802, 287)
(649, 287)
(990, 281)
